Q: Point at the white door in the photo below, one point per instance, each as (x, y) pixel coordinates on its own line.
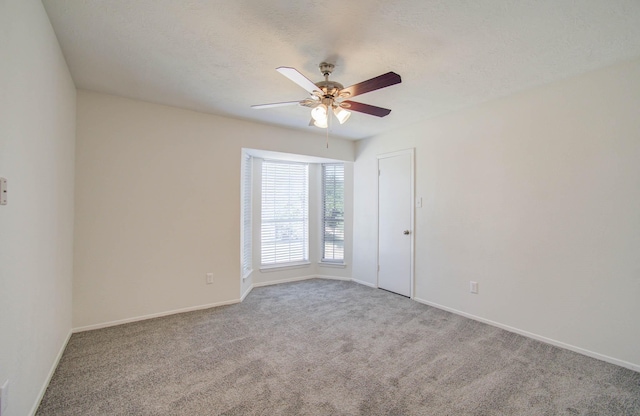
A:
(395, 219)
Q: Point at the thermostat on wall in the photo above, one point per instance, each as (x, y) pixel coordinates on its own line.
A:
(3, 191)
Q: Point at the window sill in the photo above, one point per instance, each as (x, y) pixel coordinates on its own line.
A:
(284, 266)
(247, 274)
(334, 265)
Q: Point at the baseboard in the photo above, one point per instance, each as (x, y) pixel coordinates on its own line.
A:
(196, 308)
(344, 279)
(244, 295)
(291, 279)
(34, 409)
(154, 315)
(362, 282)
(601, 357)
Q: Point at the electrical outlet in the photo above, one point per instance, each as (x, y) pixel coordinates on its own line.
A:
(473, 287)
(209, 278)
(4, 390)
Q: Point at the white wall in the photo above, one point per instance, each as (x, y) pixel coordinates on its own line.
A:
(37, 135)
(158, 205)
(535, 196)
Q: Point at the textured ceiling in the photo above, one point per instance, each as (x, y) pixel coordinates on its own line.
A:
(220, 56)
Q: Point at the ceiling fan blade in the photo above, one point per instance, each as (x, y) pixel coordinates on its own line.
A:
(282, 104)
(381, 81)
(366, 108)
(298, 78)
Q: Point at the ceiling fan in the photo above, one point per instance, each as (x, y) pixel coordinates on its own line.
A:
(330, 96)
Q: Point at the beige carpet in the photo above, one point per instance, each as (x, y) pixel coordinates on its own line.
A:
(323, 347)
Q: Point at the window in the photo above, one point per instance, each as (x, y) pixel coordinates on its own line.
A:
(333, 212)
(247, 170)
(285, 213)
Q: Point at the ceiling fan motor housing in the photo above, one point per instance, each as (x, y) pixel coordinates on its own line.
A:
(329, 87)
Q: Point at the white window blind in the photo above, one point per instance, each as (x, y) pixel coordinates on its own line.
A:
(333, 212)
(285, 212)
(246, 214)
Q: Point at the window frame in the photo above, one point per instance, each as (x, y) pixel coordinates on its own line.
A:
(264, 217)
(333, 261)
(246, 223)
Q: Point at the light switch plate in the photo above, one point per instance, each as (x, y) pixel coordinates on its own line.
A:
(3, 191)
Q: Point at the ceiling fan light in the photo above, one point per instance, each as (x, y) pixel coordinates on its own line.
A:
(321, 123)
(319, 113)
(341, 114)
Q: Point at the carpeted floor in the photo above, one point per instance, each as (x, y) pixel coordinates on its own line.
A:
(321, 347)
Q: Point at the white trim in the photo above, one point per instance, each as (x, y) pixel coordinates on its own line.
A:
(611, 360)
(410, 152)
(396, 153)
(330, 264)
(244, 295)
(290, 157)
(52, 370)
(598, 356)
(362, 282)
(291, 279)
(283, 266)
(153, 315)
(344, 279)
(243, 178)
(295, 279)
(196, 308)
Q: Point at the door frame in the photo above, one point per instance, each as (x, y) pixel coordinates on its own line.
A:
(411, 152)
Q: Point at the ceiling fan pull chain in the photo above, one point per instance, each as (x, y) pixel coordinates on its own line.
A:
(328, 125)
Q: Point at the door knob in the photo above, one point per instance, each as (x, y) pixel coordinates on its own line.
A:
(406, 232)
